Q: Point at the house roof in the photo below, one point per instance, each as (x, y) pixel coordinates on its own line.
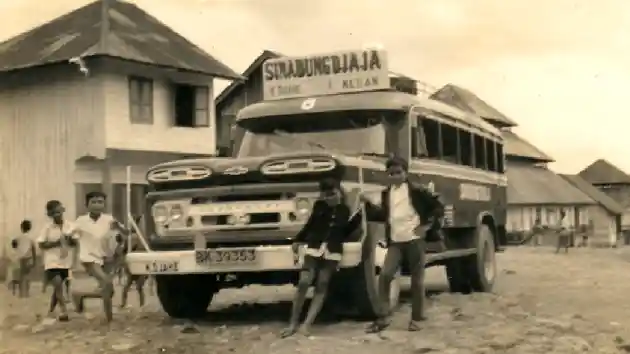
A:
(266, 54)
(604, 172)
(605, 201)
(468, 101)
(517, 146)
(121, 30)
(533, 185)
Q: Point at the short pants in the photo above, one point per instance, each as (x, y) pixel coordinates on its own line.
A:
(311, 262)
(50, 274)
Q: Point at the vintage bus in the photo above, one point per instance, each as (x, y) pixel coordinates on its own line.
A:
(225, 223)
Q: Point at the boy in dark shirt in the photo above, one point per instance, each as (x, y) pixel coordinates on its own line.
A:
(324, 234)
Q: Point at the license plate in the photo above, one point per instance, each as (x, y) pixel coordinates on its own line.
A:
(220, 257)
(162, 267)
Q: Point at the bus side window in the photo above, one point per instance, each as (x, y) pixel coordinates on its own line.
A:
(432, 135)
(418, 139)
(450, 144)
(480, 151)
(500, 158)
(466, 148)
(491, 155)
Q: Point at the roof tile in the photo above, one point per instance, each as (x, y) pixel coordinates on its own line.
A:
(600, 197)
(468, 101)
(132, 34)
(604, 172)
(519, 147)
(533, 185)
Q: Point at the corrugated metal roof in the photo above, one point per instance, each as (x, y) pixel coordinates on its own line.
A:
(604, 172)
(532, 185)
(130, 34)
(468, 101)
(517, 146)
(605, 201)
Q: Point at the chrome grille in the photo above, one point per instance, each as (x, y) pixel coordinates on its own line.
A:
(298, 166)
(180, 173)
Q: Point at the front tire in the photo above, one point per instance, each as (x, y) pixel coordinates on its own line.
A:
(186, 296)
(363, 280)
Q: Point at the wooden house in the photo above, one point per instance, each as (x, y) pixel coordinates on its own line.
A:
(604, 217)
(612, 181)
(91, 92)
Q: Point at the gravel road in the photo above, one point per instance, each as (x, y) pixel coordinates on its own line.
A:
(543, 303)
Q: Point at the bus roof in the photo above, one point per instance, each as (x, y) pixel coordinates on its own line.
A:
(374, 100)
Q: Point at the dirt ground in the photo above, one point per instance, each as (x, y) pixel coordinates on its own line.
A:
(544, 303)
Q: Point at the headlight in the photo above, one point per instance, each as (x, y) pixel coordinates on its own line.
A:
(302, 208)
(176, 212)
(160, 214)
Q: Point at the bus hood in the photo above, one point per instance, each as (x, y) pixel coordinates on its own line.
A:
(257, 169)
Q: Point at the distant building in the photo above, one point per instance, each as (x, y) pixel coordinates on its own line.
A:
(91, 92)
(612, 181)
(465, 100)
(537, 193)
(605, 217)
(533, 190)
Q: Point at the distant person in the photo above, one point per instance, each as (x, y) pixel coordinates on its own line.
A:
(57, 241)
(537, 230)
(564, 233)
(24, 258)
(324, 234)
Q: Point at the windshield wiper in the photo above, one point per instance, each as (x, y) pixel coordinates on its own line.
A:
(300, 139)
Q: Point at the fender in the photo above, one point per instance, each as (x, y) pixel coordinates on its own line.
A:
(486, 217)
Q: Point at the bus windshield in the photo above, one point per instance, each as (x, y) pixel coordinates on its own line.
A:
(352, 132)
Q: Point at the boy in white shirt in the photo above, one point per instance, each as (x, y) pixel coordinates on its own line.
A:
(98, 233)
(409, 211)
(57, 241)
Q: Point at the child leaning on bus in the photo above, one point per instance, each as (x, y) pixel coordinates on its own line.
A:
(324, 234)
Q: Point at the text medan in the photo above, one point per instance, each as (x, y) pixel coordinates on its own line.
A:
(365, 61)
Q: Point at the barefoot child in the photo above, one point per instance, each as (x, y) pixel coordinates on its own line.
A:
(324, 234)
(24, 257)
(97, 230)
(57, 240)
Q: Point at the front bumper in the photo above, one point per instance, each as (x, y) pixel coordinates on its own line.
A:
(268, 258)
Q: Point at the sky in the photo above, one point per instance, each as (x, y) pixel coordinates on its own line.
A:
(558, 68)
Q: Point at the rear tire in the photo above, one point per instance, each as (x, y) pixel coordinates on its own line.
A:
(474, 273)
(186, 296)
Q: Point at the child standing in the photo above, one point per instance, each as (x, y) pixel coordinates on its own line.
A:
(24, 258)
(57, 241)
(324, 234)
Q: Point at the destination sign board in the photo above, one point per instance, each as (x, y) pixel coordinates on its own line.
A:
(325, 74)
